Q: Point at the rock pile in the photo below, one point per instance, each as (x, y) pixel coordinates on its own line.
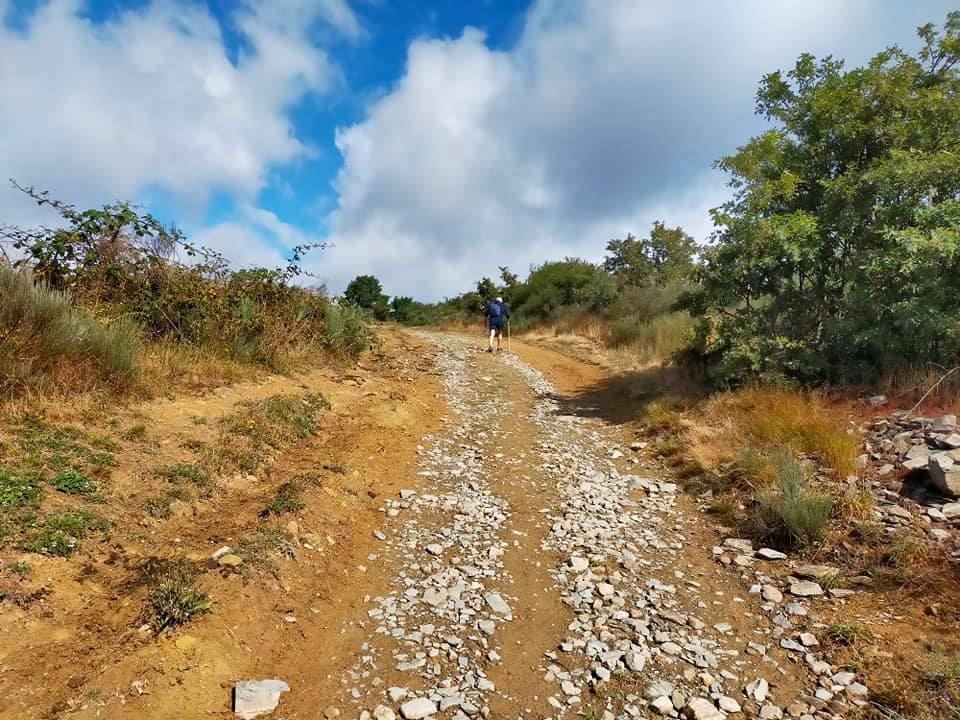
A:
(916, 444)
(925, 453)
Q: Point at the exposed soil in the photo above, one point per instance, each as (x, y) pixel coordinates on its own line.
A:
(79, 648)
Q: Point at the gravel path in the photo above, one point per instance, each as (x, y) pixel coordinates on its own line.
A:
(535, 576)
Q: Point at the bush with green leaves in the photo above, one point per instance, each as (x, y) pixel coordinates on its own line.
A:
(565, 284)
(838, 257)
(143, 277)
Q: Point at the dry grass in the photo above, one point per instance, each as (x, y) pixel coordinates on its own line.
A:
(623, 344)
(169, 365)
(907, 385)
(765, 419)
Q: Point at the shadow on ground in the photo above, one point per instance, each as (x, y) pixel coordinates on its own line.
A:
(623, 398)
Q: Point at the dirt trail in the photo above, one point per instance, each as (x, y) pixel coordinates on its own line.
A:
(496, 551)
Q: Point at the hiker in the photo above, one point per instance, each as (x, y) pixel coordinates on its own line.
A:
(497, 315)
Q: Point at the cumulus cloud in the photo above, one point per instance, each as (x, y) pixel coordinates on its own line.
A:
(149, 99)
(605, 116)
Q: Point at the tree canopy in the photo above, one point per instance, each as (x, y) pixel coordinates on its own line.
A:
(839, 254)
(365, 291)
(666, 255)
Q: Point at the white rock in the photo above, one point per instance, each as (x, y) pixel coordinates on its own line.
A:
(253, 698)
(635, 660)
(662, 705)
(382, 712)
(700, 709)
(728, 704)
(769, 554)
(771, 593)
(806, 588)
(843, 678)
(758, 690)
(497, 603)
(418, 708)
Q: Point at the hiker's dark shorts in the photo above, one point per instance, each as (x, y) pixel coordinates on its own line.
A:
(495, 324)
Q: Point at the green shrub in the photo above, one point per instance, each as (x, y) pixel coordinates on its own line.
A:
(73, 482)
(346, 330)
(557, 285)
(21, 568)
(174, 598)
(276, 419)
(792, 516)
(257, 548)
(125, 266)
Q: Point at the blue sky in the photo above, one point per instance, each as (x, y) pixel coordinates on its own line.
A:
(429, 141)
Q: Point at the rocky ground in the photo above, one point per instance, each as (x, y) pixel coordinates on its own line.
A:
(540, 574)
(483, 542)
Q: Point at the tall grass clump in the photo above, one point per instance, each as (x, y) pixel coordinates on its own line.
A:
(46, 339)
(174, 597)
(792, 515)
(766, 419)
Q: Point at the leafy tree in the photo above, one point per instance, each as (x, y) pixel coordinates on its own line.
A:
(839, 254)
(365, 291)
(402, 309)
(663, 257)
(487, 290)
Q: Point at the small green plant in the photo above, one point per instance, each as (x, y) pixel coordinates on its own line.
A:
(59, 534)
(19, 489)
(724, 510)
(255, 549)
(158, 506)
(849, 634)
(277, 418)
(286, 500)
(74, 482)
(196, 473)
(174, 597)
(792, 516)
(338, 467)
(868, 532)
(903, 553)
(659, 417)
(136, 433)
(21, 568)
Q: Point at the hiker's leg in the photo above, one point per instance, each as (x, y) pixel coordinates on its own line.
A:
(493, 331)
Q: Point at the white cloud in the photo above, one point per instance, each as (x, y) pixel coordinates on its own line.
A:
(150, 100)
(605, 116)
